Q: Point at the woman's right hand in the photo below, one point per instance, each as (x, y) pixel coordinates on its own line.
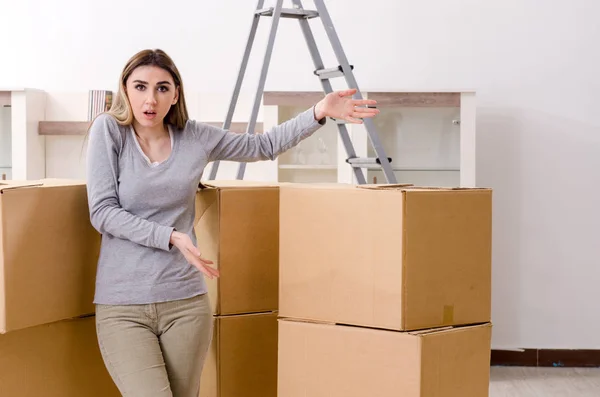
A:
(184, 243)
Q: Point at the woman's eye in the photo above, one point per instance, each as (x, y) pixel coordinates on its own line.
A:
(140, 87)
(162, 88)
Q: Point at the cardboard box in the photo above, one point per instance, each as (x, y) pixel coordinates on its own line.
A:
(61, 359)
(393, 257)
(48, 253)
(326, 360)
(242, 359)
(237, 227)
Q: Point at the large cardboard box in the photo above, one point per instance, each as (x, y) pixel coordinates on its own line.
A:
(326, 360)
(61, 359)
(393, 257)
(242, 360)
(237, 227)
(48, 253)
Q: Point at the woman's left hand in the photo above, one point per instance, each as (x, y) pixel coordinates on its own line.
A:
(340, 105)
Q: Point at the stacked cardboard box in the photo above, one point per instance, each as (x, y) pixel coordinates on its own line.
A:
(237, 227)
(384, 291)
(48, 257)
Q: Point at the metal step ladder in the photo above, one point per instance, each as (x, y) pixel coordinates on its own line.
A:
(324, 74)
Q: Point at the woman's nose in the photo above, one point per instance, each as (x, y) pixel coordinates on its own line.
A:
(151, 98)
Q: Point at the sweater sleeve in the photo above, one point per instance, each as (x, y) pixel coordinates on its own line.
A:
(226, 145)
(106, 214)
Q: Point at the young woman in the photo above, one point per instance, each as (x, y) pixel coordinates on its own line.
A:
(145, 161)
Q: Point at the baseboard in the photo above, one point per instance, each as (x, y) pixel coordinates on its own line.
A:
(546, 358)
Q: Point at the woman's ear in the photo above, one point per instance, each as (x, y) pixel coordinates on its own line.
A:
(176, 98)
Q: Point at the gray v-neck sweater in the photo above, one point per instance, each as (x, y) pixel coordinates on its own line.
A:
(136, 205)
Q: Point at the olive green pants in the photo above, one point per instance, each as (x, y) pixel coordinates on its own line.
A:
(156, 350)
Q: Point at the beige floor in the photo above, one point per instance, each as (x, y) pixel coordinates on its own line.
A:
(544, 382)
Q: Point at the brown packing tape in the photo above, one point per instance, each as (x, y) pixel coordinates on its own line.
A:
(448, 317)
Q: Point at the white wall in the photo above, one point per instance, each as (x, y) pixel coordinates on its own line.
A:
(533, 63)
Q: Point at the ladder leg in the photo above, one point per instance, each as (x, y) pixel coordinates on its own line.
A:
(318, 62)
(263, 78)
(238, 83)
(378, 147)
(358, 173)
(347, 70)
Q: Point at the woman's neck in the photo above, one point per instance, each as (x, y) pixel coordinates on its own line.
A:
(151, 133)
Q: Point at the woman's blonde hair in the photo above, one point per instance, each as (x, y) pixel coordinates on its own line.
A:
(121, 108)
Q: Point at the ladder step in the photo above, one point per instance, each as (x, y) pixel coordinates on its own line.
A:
(325, 74)
(289, 13)
(365, 162)
(342, 121)
(339, 121)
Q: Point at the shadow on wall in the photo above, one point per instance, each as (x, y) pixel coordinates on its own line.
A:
(546, 252)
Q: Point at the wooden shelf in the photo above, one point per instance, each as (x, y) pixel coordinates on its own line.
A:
(58, 128)
(416, 99)
(63, 127)
(384, 99)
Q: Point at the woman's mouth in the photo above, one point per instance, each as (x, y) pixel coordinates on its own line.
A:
(149, 114)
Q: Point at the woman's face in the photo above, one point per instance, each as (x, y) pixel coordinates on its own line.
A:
(151, 92)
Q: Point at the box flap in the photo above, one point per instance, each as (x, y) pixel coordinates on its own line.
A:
(310, 321)
(421, 332)
(442, 330)
(443, 188)
(233, 184)
(411, 187)
(50, 182)
(248, 315)
(7, 185)
(45, 182)
(390, 186)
